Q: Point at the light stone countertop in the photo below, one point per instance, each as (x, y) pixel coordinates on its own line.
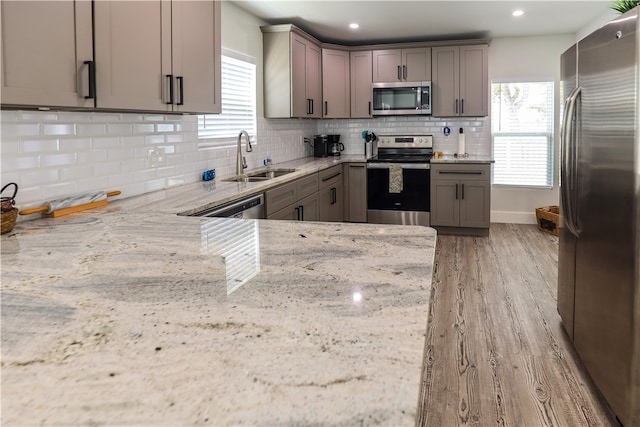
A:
(122, 316)
(190, 198)
(450, 158)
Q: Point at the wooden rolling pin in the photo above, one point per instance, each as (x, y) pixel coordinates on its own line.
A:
(67, 205)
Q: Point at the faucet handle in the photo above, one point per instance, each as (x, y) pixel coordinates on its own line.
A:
(244, 162)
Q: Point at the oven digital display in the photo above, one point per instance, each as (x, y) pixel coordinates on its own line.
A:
(404, 139)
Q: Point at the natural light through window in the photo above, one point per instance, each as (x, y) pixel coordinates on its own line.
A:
(522, 133)
(238, 104)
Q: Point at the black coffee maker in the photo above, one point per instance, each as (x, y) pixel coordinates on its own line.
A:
(327, 145)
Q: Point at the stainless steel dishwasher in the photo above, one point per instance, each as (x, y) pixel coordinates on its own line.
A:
(247, 208)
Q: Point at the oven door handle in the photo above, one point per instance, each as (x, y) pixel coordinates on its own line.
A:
(403, 165)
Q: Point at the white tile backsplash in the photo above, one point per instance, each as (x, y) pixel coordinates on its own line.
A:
(54, 154)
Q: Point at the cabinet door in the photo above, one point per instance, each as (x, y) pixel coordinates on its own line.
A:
(416, 64)
(474, 81)
(309, 208)
(361, 79)
(335, 84)
(196, 56)
(289, 213)
(129, 39)
(314, 79)
(280, 197)
(387, 65)
(356, 196)
(325, 197)
(337, 205)
(445, 81)
(445, 206)
(300, 106)
(44, 46)
(475, 197)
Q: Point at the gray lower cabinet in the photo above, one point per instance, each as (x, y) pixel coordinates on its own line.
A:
(356, 192)
(461, 195)
(297, 200)
(330, 197)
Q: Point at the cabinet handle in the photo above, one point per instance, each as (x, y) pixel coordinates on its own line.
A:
(180, 81)
(456, 191)
(91, 75)
(462, 197)
(456, 106)
(301, 213)
(326, 108)
(297, 213)
(170, 81)
(331, 177)
(399, 74)
(462, 106)
(404, 72)
(332, 198)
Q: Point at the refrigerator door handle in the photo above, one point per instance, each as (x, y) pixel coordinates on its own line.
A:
(569, 160)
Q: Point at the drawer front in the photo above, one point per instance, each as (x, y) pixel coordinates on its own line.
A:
(469, 172)
(306, 186)
(280, 197)
(329, 176)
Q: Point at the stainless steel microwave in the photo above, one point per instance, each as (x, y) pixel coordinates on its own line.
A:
(401, 98)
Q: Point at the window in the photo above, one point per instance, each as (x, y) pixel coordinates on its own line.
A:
(238, 104)
(522, 133)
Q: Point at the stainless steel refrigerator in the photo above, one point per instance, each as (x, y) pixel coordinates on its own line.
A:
(599, 255)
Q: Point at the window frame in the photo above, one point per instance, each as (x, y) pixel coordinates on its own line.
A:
(549, 135)
(227, 141)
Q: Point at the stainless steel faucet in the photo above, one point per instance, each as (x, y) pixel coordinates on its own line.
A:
(241, 162)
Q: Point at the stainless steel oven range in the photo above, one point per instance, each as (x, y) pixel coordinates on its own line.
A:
(398, 180)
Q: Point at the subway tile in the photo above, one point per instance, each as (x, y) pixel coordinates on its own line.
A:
(115, 181)
(28, 196)
(154, 139)
(75, 173)
(107, 143)
(61, 159)
(143, 128)
(92, 156)
(35, 116)
(156, 184)
(120, 153)
(92, 183)
(134, 164)
(91, 129)
(58, 190)
(9, 130)
(153, 118)
(12, 163)
(132, 141)
(35, 177)
(10, 147)
(74, 144)
(119, 129)
(107, 168)
(59, 129)
(164, 127)
(40, 145)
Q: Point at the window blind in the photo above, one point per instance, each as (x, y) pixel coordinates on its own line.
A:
(522, 133)
(238, 104)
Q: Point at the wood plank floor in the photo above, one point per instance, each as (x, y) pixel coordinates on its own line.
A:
(495, 350)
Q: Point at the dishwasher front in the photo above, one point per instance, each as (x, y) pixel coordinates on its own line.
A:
(248, 208)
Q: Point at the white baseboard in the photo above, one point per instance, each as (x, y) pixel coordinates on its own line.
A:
(513, 217)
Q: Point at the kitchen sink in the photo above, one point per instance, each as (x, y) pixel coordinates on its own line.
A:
(260, 175)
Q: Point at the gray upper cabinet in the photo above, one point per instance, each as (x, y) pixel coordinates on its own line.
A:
(336, 84)
(292, 73)
(361, 79)
(195, 49)
(44, 48)
(158, 56)
(460, 81)
(394, 65)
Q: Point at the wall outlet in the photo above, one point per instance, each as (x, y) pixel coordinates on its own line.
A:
(156, 157)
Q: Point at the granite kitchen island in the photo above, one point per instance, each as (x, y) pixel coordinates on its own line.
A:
(118, 317)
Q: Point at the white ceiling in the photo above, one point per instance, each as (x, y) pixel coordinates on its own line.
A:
(403, 20)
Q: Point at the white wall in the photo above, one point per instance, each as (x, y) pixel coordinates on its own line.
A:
(527, 59)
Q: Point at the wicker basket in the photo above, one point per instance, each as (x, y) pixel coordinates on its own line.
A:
(548, 219)
(8, 220)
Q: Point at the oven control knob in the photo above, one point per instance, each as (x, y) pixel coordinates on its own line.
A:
(419, 140)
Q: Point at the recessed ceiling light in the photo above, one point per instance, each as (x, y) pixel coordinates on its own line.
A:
(353, 25)
(518, 13)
